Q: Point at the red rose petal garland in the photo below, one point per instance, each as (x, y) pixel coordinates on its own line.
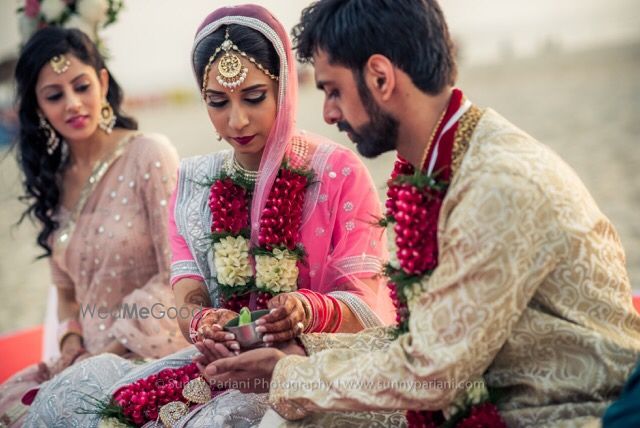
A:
(483, 416)
(139, 402)
(282, 215)
(229, 204)
(412, 208)
(229, 201)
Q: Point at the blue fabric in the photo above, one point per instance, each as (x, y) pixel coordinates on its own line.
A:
(625, 412)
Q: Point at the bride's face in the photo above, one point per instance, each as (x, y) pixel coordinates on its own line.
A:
(244, 116)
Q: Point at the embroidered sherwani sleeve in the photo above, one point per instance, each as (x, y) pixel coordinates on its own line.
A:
(498, 239)
(363, 341)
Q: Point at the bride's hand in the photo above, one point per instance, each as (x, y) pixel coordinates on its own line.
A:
(284, 322)
(217, 317)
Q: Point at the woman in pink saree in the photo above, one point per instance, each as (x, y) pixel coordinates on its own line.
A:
(344, 253)
(338, 284)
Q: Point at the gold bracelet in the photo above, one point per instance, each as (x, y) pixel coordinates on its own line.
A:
(67, 327)
(306, 306)
(66, 336)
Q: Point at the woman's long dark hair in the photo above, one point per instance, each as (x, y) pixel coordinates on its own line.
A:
(41, 170)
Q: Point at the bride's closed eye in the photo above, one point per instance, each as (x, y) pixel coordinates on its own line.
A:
(216, 100)
(256, 97)
(252, 98)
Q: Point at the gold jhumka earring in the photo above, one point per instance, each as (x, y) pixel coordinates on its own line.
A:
(232, 72)
(107, 117)
(52, 138)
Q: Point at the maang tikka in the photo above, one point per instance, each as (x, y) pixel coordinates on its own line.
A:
(232, 72)
(59, 64)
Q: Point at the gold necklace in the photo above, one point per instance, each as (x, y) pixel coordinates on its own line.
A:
(432, 138)
(234, 168)
(299, 147)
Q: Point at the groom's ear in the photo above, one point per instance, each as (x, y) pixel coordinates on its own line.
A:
(379, 75)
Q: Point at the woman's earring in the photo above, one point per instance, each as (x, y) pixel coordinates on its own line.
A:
(107, 117)
(218, 137)
(52, 138)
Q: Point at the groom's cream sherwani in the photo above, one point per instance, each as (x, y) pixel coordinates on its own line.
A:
(531, 292)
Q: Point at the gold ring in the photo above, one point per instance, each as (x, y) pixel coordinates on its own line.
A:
(299, 326)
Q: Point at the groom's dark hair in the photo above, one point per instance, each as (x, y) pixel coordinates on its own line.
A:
(413, 34)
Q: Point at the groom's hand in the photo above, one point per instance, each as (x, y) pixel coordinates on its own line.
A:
(210, 352)
(250, 371)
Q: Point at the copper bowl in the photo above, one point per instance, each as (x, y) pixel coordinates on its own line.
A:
(246, 335)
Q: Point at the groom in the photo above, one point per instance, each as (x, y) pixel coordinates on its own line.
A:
(515, 274)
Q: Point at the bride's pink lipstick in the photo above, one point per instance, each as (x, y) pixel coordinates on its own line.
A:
(243, 141)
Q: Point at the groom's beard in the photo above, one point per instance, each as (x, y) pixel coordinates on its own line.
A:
(377, 136)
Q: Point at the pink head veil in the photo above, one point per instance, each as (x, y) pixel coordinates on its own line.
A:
(261, 20)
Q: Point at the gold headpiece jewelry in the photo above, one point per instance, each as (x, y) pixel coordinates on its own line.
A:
(59, 63)
(232, 73)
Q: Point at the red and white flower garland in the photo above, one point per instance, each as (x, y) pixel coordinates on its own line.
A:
(279, 252)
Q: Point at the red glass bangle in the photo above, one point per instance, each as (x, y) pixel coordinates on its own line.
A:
(337, 310)
(322, 308)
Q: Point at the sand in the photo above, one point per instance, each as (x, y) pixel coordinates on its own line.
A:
(584, 105)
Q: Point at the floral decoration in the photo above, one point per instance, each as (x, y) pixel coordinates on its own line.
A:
(88, 16)
(272, 266)
(137, 403)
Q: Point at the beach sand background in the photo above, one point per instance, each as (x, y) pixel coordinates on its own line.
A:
(585, 105)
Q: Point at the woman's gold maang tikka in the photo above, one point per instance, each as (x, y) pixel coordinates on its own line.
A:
(231, 71)
(59, 64)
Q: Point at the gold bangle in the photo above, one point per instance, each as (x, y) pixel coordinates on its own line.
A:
(66, 336)
(67, 327)
(306, 306)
